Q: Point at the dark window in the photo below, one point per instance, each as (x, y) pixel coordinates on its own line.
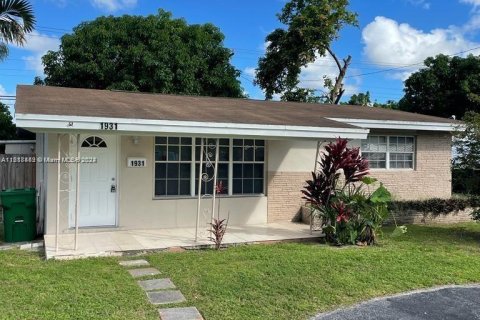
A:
(241, 160)
(248, 166)
(173, 166)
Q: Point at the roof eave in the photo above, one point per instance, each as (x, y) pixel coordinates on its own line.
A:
(401, 125)
(49, 123)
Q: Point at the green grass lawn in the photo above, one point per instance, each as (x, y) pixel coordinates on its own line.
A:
(280, 281)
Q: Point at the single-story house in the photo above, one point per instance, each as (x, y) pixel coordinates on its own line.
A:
(141, 155)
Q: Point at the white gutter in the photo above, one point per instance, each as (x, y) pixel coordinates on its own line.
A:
(45, 123)
(400, 125)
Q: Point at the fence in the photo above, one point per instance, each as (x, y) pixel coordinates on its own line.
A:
(15, 173)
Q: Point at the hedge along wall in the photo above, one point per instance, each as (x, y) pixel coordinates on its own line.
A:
(453, 210)
(430, 211)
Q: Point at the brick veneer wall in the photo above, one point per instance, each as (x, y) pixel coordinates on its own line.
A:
(284, 196)
(430, 179)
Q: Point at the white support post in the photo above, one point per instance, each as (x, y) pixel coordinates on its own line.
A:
(77, 193)
(199, 198)
(57, 221)
(314, 170)
(215, 170)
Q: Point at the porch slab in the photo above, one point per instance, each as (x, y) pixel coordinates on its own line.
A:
(189, 313)
(115, 242)
(165, 297)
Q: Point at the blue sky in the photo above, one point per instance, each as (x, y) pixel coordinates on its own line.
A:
(393, 34)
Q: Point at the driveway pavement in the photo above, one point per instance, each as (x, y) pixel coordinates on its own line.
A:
(446, 303)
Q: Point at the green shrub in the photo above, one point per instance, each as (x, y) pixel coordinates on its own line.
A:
(350, 213)
(437, 206)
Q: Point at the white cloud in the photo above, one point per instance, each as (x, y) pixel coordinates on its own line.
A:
(475, 3)
(420, 3)
(59, 3)
(389, 44)
(4, 92)
(38, 44)
(113, 5)
(250, 71)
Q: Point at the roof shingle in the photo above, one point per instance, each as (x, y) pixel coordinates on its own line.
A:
(47, 100)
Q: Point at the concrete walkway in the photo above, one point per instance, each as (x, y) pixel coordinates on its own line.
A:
(445, 303)
(160, 291)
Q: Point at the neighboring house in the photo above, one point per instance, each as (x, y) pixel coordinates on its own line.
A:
(147, 149)
(17, 147)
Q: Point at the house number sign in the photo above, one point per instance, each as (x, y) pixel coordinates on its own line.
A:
(108, 126)
(136, 162)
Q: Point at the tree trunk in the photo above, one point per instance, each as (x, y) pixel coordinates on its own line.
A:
(337, 92)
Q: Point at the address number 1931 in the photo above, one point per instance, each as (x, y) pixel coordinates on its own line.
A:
(108, 126)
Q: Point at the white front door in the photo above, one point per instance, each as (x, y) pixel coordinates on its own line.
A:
(98, 181)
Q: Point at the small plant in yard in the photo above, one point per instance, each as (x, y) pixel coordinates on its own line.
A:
(219, 227)
(350, 211)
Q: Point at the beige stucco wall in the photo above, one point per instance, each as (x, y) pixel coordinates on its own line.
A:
(139, 209)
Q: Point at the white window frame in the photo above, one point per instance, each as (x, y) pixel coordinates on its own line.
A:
(254, 162)
(194, 173)
(387, 159)
(179, 162)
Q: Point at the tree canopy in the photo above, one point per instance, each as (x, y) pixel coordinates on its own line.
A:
(155, 53)
(7, 127)
(16, 20)
(312, 26)
(360, 99)
(467, 143)
(447, 86)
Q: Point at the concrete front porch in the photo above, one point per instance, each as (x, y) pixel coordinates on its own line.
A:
(118, 242)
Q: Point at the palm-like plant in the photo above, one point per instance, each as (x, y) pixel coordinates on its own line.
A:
(16, 20)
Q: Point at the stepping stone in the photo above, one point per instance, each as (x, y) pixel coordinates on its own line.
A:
(156, 284)
(137, 273)
(180, 314)
(165, 297)
(134, 263)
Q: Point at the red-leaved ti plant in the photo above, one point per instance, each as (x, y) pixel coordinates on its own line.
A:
(349, 213)
(343, 213)
(219, 227)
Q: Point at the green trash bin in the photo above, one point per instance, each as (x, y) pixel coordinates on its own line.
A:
(19, 214)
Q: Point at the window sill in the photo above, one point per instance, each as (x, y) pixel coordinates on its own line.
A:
(391, 170)
(209, 198)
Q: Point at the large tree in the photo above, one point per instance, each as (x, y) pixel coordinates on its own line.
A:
(467, 143)
(16, 20)
(7, 127)
(155, 53)
(447, 86)
(311, 28)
